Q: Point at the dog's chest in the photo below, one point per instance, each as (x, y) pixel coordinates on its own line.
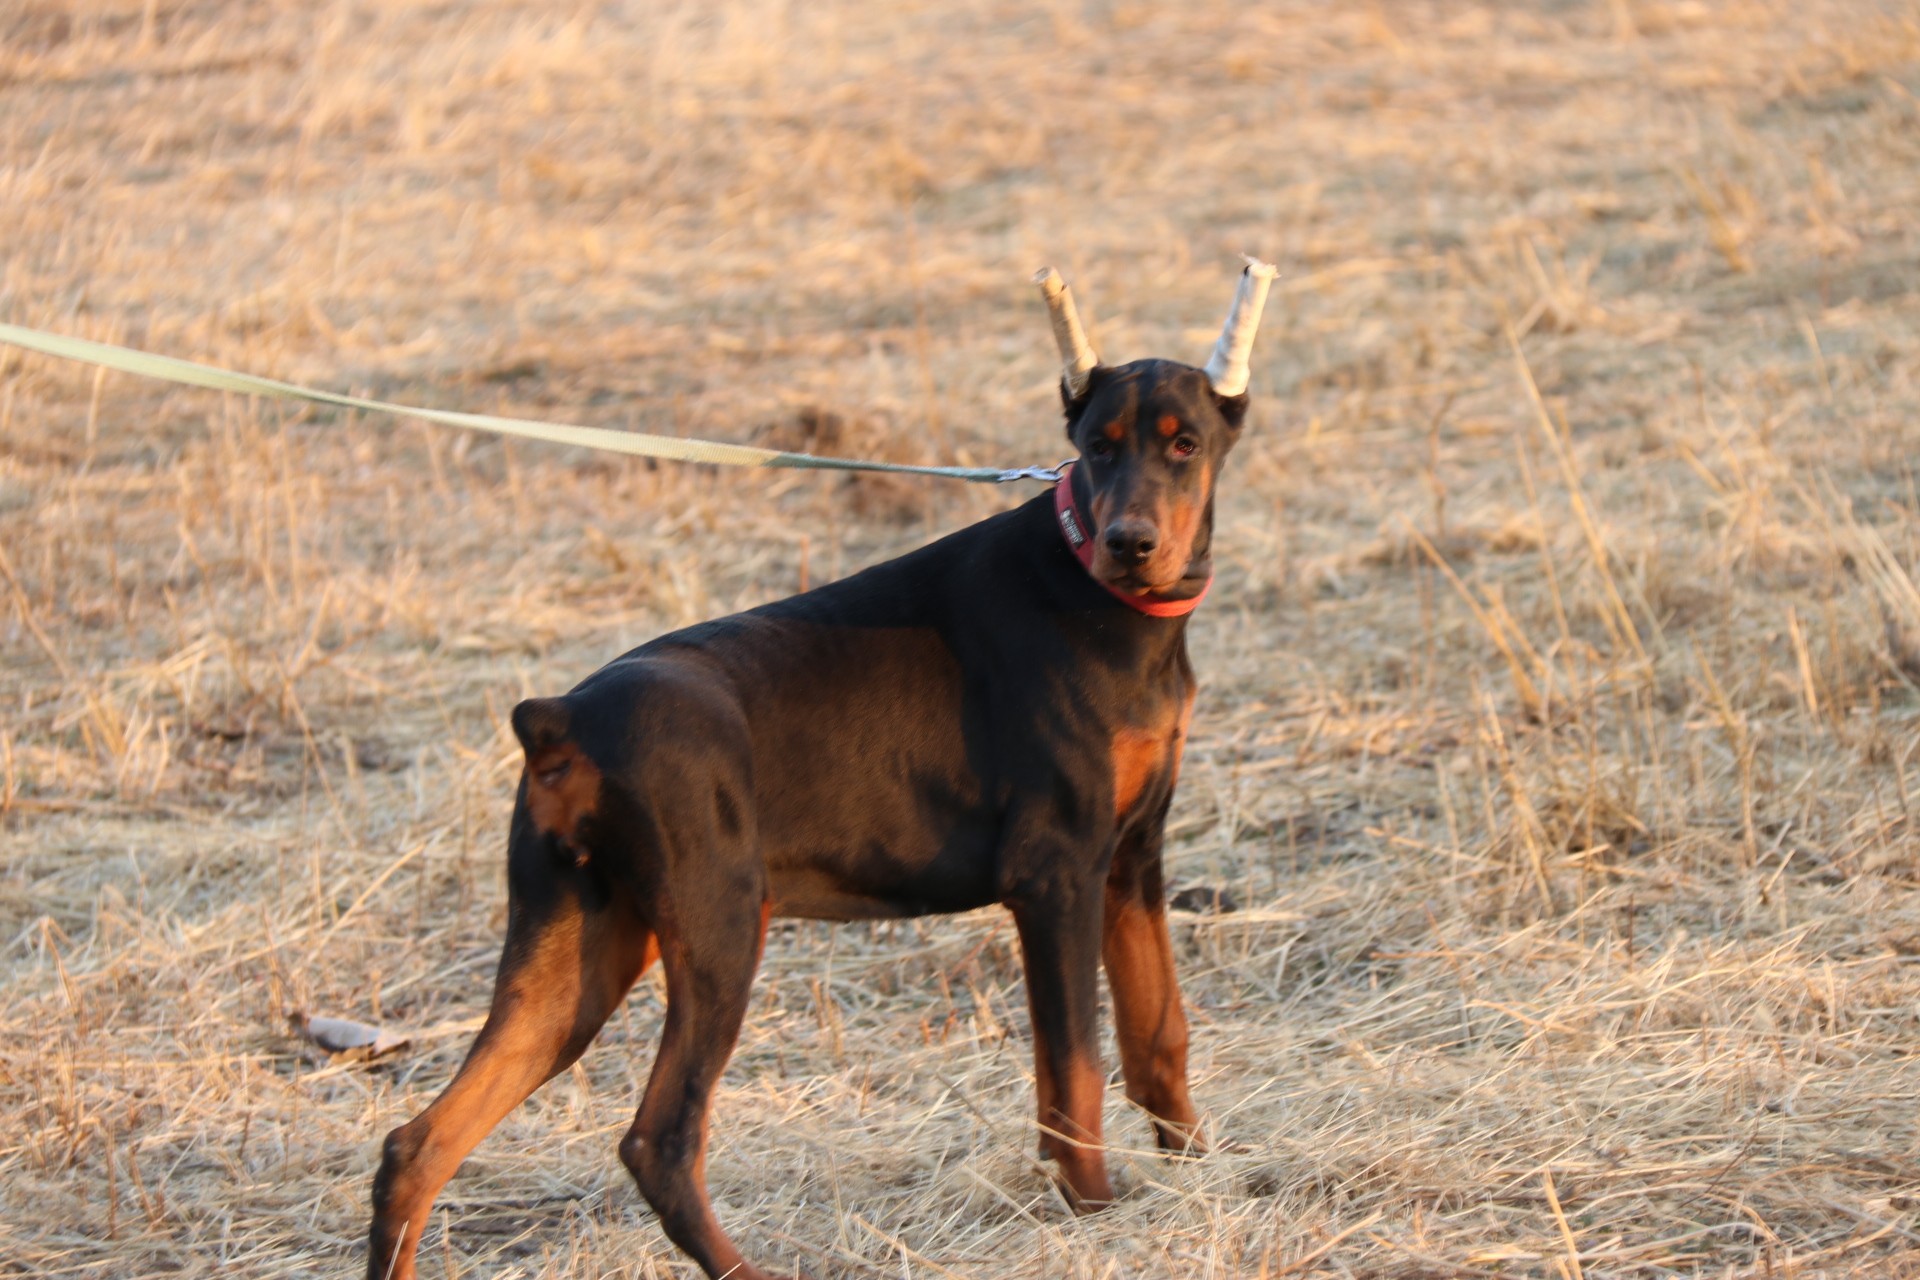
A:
(1147, 748)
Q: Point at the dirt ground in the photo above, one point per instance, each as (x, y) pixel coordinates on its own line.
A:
(1559, 688)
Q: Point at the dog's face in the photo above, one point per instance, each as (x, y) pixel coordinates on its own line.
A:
(1151, 437)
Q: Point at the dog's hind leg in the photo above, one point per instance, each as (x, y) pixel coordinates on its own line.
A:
(571, 954)
(711, 937)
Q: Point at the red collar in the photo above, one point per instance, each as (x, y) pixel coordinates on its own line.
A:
(1078, 532)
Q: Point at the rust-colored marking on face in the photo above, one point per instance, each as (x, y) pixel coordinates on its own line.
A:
(563, 790)
(1180, 525)
(1176, 517)
(1102, 512)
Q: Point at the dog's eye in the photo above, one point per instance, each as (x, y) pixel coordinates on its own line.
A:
(1099, 449)
(1185, 447)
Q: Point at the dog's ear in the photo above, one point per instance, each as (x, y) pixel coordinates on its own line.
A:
(1233, 409)
(1080, 366)
(1075, 405)
(1227, 366)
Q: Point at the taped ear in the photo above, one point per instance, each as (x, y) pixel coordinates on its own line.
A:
(1233, 409)
(1076, 403)
(1078, 363)
(1227, 366)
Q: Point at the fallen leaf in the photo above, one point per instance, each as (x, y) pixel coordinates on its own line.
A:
(343, 1035)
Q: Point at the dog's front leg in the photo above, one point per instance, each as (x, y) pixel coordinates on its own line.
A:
(1149, 1023)
(1060, 941)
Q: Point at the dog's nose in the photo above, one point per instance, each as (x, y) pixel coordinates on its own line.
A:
(1131, 541)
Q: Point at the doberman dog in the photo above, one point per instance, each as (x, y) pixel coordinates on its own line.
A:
(994, 718)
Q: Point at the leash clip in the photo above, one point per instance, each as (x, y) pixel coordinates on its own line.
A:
(1046, 475)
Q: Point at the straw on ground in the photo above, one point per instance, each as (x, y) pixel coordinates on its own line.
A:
(1558, 711)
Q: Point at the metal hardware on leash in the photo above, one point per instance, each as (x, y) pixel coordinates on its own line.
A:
(1047, 475)
(633, 443)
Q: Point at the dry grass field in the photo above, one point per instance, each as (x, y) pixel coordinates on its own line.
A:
(1560, 726)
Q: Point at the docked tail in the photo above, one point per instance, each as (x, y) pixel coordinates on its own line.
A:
(563, 785)
(541, 724)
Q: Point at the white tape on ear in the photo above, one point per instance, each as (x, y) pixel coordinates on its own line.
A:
(1076, 352)
(1227, 367)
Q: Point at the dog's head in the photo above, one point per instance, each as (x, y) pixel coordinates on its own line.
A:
(1151, 437)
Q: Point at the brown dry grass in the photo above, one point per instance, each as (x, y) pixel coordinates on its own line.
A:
(1578, 879)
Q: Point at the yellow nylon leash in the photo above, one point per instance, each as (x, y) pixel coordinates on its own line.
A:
(636, 443)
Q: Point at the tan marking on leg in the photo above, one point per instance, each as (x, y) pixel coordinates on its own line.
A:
(1149, 1024)
(666, 1146)
(532, 1031)
(1046, 1093)
(1080, 1150)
